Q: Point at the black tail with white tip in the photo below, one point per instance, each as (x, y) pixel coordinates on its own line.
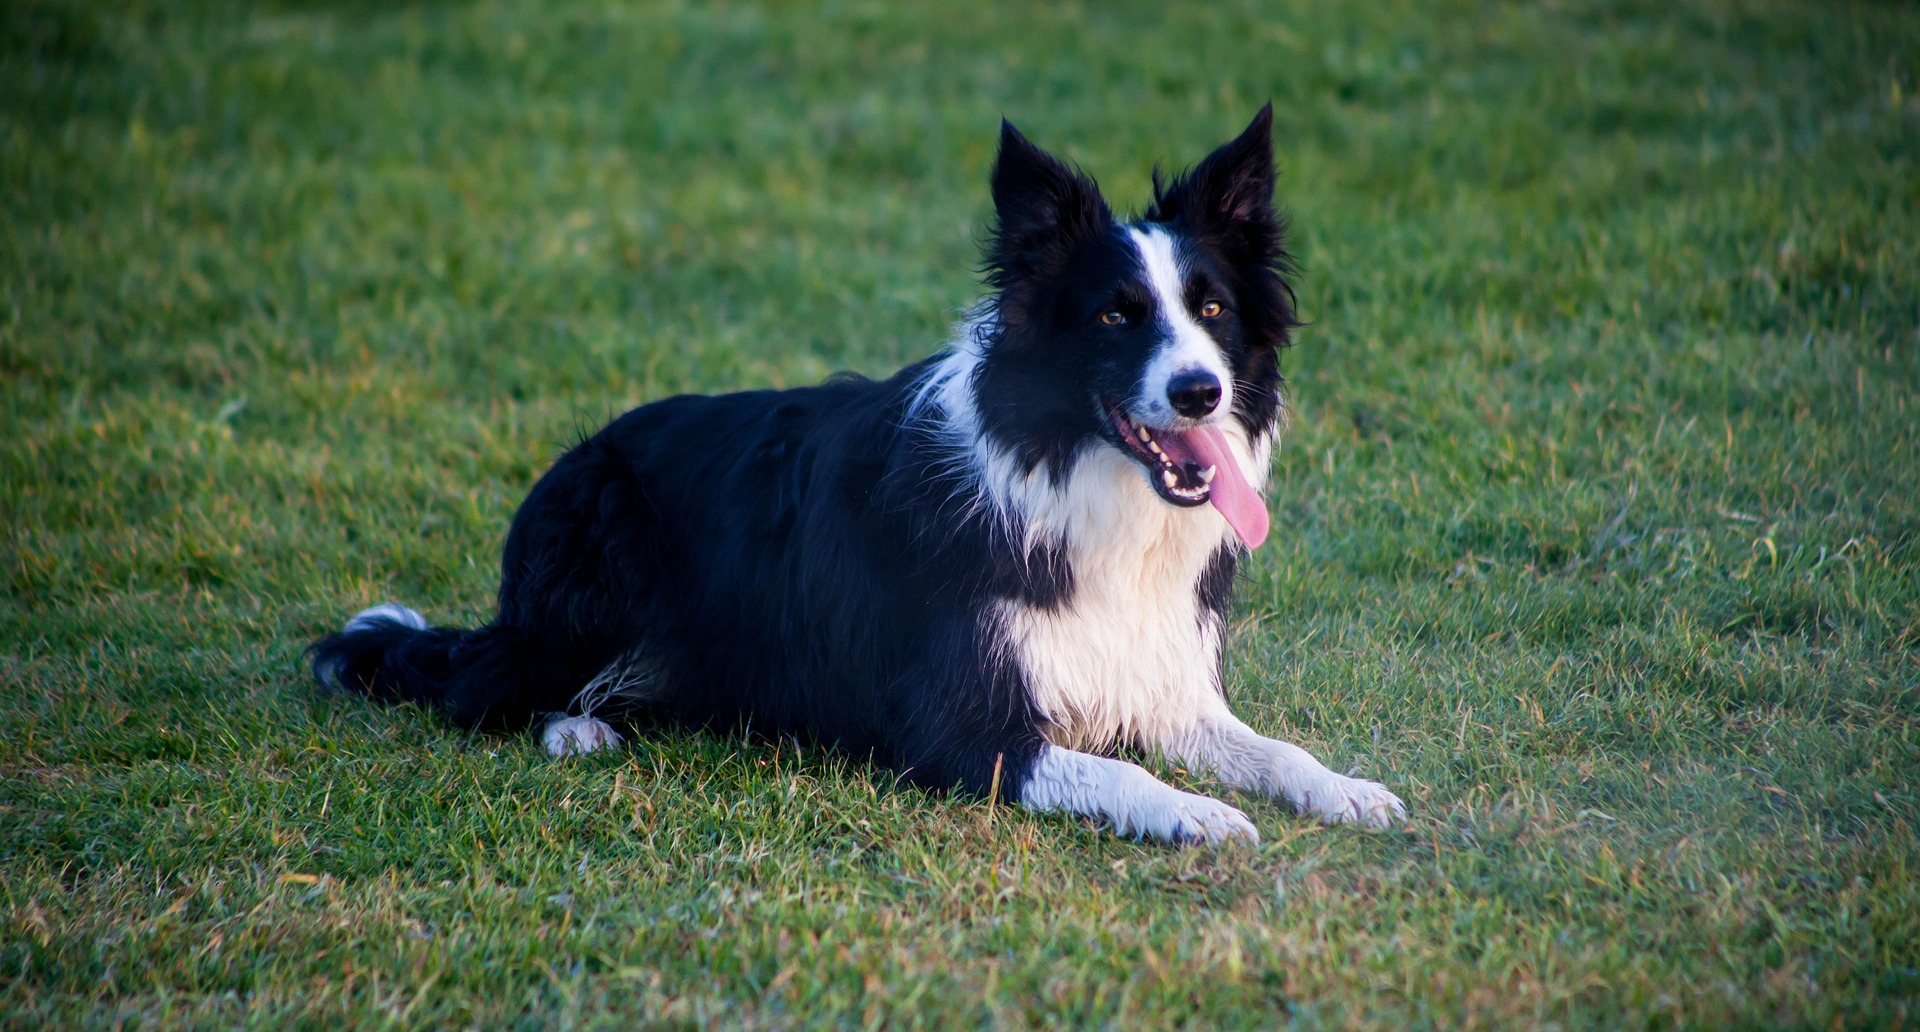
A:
(484, 678)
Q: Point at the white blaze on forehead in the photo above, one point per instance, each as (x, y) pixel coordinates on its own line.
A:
(1187, 346)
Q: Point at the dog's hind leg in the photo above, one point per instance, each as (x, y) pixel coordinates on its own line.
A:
(580, 582)
(578, 595)
(1242, 757)
(627, 681)
(570, 736)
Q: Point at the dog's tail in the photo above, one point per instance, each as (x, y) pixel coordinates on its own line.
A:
(478, 678)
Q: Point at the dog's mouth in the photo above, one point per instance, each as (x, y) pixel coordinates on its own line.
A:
(1174, 467)
(1193, 466)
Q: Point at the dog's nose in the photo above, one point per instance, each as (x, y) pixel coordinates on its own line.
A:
(1194, 393)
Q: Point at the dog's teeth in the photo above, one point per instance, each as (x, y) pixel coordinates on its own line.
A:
(1147, 437)
(1167, 475)
(1155, 446)
(1206, 475)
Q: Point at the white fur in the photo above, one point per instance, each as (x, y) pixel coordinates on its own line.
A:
(577, 736)
(366, 618)
(1131, 655)
(1132, 651)
(1135, 802)
(1187, 347)
(631, 678)
(943, 403)
(1219, 742)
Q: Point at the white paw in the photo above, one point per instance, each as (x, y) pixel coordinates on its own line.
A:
(577, 736)
(393, 611)
(1135, 802)
(1191, 819)
(1339, 800)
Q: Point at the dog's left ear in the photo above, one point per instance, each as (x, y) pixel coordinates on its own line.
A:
(1227, 200)
(1229, 193)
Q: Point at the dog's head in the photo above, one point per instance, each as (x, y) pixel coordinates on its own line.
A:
(1156, 336)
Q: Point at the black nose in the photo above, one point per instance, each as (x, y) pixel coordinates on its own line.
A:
(1194, 393)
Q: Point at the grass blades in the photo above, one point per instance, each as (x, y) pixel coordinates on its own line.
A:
(1597, 529)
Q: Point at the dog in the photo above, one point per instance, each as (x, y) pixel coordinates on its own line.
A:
(985, 573)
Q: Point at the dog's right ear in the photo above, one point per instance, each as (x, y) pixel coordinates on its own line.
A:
(1041, 206)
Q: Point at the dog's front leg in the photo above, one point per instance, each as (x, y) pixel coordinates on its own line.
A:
(1238, 755)
(1128, 797)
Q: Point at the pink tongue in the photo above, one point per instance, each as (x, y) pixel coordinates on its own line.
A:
(1230, 492)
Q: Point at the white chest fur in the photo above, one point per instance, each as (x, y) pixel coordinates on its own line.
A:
(1131, 656)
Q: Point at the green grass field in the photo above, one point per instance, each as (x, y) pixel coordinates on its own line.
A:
(1597, 532)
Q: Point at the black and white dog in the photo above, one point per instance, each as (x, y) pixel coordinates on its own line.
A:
(986, 571)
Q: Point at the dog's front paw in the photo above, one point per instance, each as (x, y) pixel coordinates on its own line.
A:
(1197, 820)
(1341, 800)
(567, 736)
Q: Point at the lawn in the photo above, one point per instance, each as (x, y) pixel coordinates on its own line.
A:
(1597, 529)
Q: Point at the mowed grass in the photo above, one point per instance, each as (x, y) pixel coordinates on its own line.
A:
(1597, 529)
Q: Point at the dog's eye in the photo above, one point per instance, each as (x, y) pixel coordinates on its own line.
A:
(1113, 317)
(1211, 310)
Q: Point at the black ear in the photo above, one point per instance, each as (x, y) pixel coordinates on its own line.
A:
(1227, 200)
(1041, 209)
(1231, 190)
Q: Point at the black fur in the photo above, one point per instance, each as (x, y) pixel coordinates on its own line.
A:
(811, 561)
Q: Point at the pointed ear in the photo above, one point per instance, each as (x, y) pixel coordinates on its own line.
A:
(1227, 200)
(1040, 204)
(1232, 188)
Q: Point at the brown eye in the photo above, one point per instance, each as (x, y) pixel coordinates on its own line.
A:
(1211, 310)
(1112, 317)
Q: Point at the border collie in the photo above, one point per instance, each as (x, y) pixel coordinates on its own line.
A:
(984, 573)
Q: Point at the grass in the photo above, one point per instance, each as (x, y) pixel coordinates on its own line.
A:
(1597, 532)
